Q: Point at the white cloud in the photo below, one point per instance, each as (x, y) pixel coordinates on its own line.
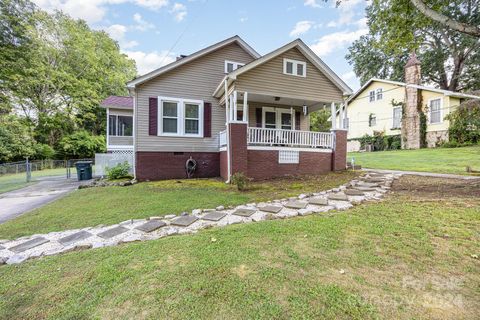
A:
(179, 11)
(150, 61)
(243, 19)
(152, 4)
(337, 40)
(117, 32)
(347, 11)
(300, 28)
(311, 3)
(141, 25)
(348, 76)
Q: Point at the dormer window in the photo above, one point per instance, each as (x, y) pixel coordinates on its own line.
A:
(294, 67)
(232, 65)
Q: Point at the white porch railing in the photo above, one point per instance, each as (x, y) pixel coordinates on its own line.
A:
(223, 138)
(290, 138)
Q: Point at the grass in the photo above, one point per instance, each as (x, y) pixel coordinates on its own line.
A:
(407, 257)
(440, 160)
(10, 182)
(108, 205)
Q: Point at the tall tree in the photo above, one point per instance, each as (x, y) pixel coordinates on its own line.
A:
(449, 58)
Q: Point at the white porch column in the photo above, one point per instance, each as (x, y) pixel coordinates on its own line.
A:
(341, 126)
(227, 110)
(245, 107)
(231, 108)
(235, 108)
(334, 116)
(346, 116)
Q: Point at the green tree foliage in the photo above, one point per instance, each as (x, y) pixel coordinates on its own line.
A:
(465, 123)
(16, 142)
(56, 70)
(319, 120)
(81, 144)
(450, 59)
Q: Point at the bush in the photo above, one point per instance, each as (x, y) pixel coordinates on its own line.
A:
(119, 171)
(43, 151)
(380, 141)
(80, 145)
(240, 180)
(465, 123)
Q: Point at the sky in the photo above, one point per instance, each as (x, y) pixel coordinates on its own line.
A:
(154, 32)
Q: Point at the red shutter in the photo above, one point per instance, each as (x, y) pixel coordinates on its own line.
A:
(207, 119)
(152, 116)
(297, 120)
(258, 116)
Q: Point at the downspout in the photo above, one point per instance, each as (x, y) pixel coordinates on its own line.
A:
(227, 130)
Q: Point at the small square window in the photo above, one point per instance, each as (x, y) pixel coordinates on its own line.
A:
(294, 67)
(372, 96)
(232, 66)
(379, 94)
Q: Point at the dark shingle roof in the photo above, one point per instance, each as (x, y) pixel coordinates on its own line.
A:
(117, 101)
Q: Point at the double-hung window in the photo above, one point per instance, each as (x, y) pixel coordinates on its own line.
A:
(120, 125)
(379, 94)
(295, 67)
(397, 117)
(371, 95)
(232, 65)
(180, 117)
(436, 111)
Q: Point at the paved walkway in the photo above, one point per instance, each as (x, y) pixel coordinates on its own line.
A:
(424, 174)
(371, 186)
(20, 201)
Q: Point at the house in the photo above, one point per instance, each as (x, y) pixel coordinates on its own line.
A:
(119, 123)
(232, 110)
(380, 105)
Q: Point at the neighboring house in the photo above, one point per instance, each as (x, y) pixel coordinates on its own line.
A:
(232, 110)
(377, 107)
(119, 123)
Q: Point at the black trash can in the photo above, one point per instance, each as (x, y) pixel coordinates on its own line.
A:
(84, 170)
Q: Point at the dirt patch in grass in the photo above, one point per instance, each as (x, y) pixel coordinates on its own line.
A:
(440, 188)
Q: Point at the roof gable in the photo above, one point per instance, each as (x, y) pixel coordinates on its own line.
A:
(306, 52)
(192, 57)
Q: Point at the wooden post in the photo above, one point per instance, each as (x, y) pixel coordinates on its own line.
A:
(245, 106)
(334, 116)
(235, 108)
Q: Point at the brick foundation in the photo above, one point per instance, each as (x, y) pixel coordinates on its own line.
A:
(263, 164)
(339, 156)
(223, 165)
(171, 165)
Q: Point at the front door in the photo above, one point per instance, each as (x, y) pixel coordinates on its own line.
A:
(278, 118)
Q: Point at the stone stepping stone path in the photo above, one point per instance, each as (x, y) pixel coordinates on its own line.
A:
(151, 225)
(271, 209)
(368, 187)
(110, 233)
(82, 235)
(28, 244)
(296, 204)
(318, 201)
(184, 221)
(214, 216)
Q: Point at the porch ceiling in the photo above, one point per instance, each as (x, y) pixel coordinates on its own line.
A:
(286, 101)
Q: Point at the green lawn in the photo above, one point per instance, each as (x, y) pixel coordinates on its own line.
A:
(407, 257)
(108, 205)
(440, 160)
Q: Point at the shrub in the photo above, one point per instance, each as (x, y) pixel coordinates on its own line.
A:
(81, 144)
(240, 180)
(43, 151)
(119, 171)
(465, 123)
(380, 141)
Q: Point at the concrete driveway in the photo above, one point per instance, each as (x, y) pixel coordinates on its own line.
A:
(47, 189)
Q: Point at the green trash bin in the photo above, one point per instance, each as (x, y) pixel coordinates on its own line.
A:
(84, 170)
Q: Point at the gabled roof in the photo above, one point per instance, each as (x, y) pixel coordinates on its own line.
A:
(305, 50)
(117, 102)
(403, 84)
(192, 57)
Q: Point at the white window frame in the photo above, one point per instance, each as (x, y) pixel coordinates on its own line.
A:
(236, 65)
(116, 125)
(181, 102)
(430, 110)
(294, 67)
(377, 92)
(393, 118)
(278, 116)
(370, 96)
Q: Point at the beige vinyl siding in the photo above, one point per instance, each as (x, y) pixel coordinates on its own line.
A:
(120, 141)
(195, 80)
(252, 116)
(269, 79)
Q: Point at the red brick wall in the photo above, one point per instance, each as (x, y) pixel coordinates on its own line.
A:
(263, 164)
(224, 165)
(339, 160)
(170, 165)
(238, 147)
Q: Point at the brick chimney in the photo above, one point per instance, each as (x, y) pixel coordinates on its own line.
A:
(411, 116)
